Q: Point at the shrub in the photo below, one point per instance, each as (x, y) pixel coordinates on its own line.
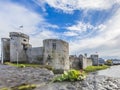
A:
(109, 62)
(71, 75)
(22, 66)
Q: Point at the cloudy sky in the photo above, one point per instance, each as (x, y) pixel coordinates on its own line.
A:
(89, 26)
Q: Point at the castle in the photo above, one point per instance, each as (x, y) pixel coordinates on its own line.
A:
(55, 52)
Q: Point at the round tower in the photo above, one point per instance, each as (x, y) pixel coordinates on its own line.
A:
(18, 47)
(56, 53)
(5, 49)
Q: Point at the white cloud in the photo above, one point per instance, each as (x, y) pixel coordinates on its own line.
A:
(71, 5)
(70, 33)
(37, 40)
(80, 26)
(80, 29)
(13, 15)
(106, 42)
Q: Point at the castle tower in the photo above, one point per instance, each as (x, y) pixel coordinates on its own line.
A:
(56, 53)
(18, 47)
(94, 58)
(5, 49)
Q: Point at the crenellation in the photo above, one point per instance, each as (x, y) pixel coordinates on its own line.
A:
(18, 34)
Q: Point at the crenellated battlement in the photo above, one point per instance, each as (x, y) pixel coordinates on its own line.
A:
(18, 34)
(6, 39)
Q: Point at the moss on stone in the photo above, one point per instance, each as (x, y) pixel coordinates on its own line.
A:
(24, 87)
(5, 88)
(27, 87)
(58, 71)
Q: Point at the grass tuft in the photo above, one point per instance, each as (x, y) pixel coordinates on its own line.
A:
(24, 87)
(95, 68)
(29, 65)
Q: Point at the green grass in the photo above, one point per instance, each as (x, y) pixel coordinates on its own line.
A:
(24, 87)
(5, 89)
(28, 65)
(21, 87)
(95, 68)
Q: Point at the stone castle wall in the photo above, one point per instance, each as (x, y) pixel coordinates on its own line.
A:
(94, 58)
(86, 62)
(35, 55)
(18, 47)
(74, 62)
(56, 53)
(5, 47)
(80, 62)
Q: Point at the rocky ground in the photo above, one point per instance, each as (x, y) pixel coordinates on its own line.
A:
(12, 76)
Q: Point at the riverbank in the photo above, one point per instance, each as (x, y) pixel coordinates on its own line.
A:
(113, 71)
(92, 82)
(12, 76)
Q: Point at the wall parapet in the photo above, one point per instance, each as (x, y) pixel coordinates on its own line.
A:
(18, 34)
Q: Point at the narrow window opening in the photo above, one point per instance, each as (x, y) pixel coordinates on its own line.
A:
(24, 47)
(24, 40)
(54, 46)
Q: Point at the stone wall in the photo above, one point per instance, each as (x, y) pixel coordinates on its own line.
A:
(5, 47)
(89, 62)
(80, 62)
(35, 55)
(94, 58)
(74, 62)
(18, 47)
(86, 62)
(56, 53)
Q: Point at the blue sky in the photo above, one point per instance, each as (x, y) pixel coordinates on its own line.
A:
(89, 26)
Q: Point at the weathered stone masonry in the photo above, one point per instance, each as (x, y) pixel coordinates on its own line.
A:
(5, 49)
(80, 62)
(54, 52)
(18, 47)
